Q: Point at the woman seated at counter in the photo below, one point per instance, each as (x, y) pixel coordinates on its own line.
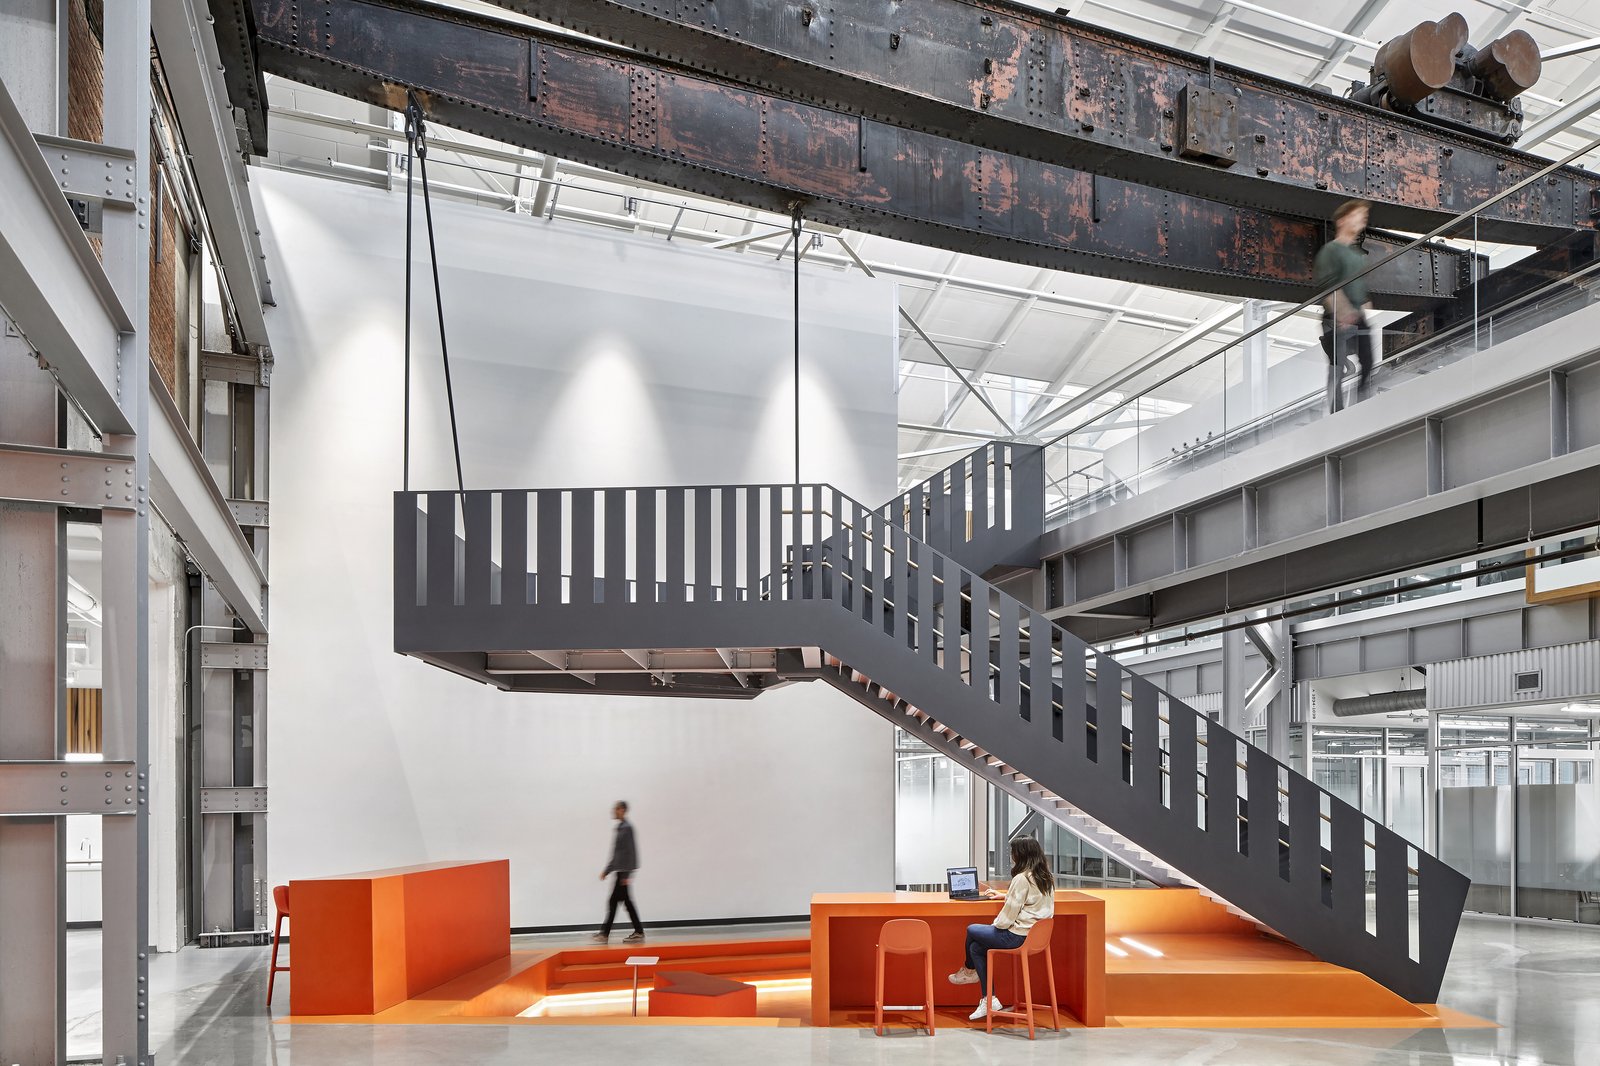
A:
(1030, 898)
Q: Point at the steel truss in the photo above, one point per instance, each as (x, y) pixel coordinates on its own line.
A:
(674, 126)
(1020, 80)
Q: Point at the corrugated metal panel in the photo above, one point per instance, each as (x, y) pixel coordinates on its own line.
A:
(1536, 675)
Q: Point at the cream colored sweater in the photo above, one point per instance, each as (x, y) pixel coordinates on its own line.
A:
(1025, 904)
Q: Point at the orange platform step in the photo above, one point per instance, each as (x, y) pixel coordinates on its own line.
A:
(1241, 975)
(684, 994)
(597, 968)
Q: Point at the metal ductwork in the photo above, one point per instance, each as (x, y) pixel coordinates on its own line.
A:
(1406, 699)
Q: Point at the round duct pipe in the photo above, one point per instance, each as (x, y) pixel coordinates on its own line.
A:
(1408, 699)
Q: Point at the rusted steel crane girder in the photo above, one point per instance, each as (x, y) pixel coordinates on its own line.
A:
(635, 116)
(1020, 80)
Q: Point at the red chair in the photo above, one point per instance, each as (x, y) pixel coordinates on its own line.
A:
(280, 898)
(905, 936)
(1037, 942)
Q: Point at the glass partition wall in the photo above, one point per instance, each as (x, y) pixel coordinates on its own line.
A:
(1532, 848)
(932, 814)
(1077, 863)
(946, 816)
(1513, 801)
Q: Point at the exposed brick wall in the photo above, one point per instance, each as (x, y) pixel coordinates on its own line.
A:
(86, 71)
(86, 122)
(163, 282)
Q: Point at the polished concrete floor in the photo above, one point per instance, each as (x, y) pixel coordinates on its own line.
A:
(1540, 982)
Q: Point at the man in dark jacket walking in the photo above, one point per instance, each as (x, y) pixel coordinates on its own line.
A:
(624, 861)
(1344, 324)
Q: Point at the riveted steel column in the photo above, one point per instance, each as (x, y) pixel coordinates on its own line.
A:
(260, 888)
(126, 560)
(32, 692)
(216, 716)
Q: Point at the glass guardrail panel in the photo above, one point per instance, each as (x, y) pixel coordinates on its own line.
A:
(1277, 391)
(1245, 396)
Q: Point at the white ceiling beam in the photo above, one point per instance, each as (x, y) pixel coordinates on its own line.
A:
(1199, 331)
(1504, 22)
(1207, 40)
(1081, 352)
(1564, 117)
(1341, 50)
(1008, 329)
(998, 417)
(1575, 48)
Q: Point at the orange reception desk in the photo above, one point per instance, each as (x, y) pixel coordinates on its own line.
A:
(363, 942)
(844, 938)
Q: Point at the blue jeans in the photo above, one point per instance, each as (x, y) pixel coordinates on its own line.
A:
(980, 938)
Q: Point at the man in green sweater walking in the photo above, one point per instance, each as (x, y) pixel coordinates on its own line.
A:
(1344, 323)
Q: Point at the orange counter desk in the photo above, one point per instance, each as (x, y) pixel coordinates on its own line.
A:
(844, 937)
(363, 942)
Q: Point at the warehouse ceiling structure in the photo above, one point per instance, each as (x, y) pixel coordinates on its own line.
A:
(989, 347)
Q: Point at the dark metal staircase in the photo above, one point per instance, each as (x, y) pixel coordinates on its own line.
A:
(728, 590)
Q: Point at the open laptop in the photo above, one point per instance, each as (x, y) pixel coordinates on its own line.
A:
(963, 881)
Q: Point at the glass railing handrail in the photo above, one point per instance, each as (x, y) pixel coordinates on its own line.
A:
(1106, 421)
(1430, 347)
(1317, 298)
(1513, 304)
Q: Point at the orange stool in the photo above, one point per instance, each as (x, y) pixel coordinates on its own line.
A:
(905, 936)
(1037, 942)
(280, 898)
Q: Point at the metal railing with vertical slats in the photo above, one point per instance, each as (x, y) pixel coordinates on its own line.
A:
(484, 577)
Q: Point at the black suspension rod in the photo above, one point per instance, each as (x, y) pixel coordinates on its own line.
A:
(411, 165)
(438, 295)
(795, 229)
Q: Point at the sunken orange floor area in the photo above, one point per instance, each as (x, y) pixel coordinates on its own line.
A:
(1213, 971)
(592, 986)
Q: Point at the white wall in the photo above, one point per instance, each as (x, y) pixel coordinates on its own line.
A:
(580, 358)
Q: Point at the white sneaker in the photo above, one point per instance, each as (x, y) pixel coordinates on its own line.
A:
(983, 1010)
(964, 977)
